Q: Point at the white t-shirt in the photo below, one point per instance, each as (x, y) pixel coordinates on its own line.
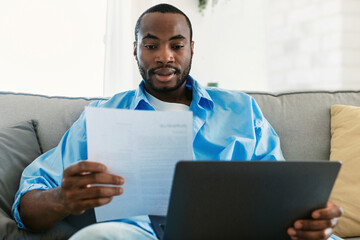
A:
(165, 106)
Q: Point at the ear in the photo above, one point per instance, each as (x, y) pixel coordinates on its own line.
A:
(192, 48)
(135, 49)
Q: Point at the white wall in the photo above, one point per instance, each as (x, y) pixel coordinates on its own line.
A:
(313, 44)
(52, 47)
(56, 47)
(351, 44)
(230, 45)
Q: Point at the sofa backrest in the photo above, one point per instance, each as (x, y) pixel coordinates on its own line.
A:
(301, 119)
(54, 115)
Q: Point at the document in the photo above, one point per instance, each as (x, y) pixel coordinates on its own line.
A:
(143, 147)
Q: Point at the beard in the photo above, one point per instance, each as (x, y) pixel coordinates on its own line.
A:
(180, 77)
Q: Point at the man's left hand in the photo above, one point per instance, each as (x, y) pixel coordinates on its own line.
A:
(320, 227)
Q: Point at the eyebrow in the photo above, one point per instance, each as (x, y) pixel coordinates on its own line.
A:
(177, 37)
(150, 36)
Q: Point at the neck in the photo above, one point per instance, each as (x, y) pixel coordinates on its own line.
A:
(181, 95)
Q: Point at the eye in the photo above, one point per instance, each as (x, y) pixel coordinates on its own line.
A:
(150, 46)
(177, 47)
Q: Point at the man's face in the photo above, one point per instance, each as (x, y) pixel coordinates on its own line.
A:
(163, 51)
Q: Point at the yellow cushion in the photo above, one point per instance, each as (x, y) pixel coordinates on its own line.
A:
(345, 147)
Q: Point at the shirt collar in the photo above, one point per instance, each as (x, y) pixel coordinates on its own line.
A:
(141, 102)
(200, 96)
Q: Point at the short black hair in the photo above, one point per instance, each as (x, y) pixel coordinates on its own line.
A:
(162, 8)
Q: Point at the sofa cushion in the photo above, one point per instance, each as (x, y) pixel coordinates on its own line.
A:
(345, 147)
(19, 146)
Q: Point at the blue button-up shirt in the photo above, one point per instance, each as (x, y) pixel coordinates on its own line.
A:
(227, 125)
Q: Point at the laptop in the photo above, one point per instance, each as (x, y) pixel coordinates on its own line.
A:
(243, 199)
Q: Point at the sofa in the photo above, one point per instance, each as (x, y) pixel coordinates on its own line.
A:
(301, 119)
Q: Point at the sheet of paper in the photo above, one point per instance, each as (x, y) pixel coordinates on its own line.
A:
(143, 147)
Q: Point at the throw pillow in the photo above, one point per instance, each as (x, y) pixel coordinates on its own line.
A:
(345, 147)
(19, 146)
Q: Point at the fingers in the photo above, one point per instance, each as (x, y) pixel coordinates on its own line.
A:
(321, 227)
(313, 229)
(93, 178)
(85, 185)
(330, 211)
(315, 224)
(77, 200)
(93, 193)
(316, 235)
(83, 167)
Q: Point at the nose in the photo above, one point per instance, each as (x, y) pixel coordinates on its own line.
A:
(165, 55)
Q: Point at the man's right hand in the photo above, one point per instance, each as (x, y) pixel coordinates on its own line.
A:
(83, 186)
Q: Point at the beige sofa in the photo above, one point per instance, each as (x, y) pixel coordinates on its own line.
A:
(301, 119)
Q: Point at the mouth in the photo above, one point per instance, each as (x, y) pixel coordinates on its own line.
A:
(164, 74)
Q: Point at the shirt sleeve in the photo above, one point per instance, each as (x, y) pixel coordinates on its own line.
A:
(46, 171)
(267, 146)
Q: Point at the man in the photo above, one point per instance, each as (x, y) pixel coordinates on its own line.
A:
(228, 125)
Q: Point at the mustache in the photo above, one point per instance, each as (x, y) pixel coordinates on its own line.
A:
(152, 70)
